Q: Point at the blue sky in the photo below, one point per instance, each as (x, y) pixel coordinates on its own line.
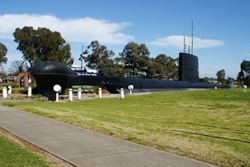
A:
(221, 27)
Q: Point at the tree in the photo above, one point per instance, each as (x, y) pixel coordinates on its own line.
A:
(97, 54)
(245, 67)
(135, 57)
(100, 58)
(221, 75)
(205, 79)
(3, 52)
(109, 68)
(42, 45)
(241, 77)
(244, 74)
(170, 66)
(155, 69)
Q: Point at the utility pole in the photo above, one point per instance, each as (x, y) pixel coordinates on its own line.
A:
(81, 58)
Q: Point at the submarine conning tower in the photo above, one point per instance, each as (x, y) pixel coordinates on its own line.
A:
(188, 67)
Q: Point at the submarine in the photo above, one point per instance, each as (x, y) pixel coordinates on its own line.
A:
(49, 73)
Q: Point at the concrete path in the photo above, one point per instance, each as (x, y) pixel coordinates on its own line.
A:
(85, 148)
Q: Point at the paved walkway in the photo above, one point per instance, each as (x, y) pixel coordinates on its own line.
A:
(83, 147)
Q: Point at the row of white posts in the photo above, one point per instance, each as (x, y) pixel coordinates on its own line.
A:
(8, 91)
(57, 88)
(79, 94)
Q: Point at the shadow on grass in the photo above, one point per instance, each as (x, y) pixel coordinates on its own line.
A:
(211, 136)
(218, 127)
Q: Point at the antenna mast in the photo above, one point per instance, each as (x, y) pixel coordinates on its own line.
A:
(184, 44)
(192, 44)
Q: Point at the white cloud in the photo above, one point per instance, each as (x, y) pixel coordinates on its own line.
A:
(83, 29)
(177, 41)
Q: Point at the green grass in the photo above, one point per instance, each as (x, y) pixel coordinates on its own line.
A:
(212, 126)
(14, 155)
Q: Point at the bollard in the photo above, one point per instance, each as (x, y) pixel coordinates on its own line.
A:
(122, 93)
(245, 88)
(9, 90)
(100, 93)
(57, 88)
(70, 95)
(57, 96)
(29, 91)
(130, 87)
(79, 94)
(5, 95)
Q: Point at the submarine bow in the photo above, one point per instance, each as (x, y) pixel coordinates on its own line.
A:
(49, 73)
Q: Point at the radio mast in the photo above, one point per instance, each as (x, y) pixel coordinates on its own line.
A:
(192, 43)
(184, 44)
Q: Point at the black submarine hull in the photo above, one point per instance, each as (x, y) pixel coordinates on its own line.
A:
(47, 74)
(114, 84)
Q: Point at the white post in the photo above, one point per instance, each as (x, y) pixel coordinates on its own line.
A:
(5, 95)
(57, 96)
(100, 93)
(9, 90)
(130, 88)
(57, 88)
(70, 95)
(122, 93)
(29, 91)
(79, 94)
(245, 88)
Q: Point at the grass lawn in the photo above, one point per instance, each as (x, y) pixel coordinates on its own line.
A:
(15, 155)
(212, 126)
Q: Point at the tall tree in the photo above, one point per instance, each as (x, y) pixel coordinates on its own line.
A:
(135, 57)
(42, 45)
(245, 67)
(3, 52)
(97, 54)
(244, 74)
(221, 75)
(100, 58)
(170, 65)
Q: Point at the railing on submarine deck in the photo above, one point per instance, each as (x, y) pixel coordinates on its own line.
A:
(83, 71)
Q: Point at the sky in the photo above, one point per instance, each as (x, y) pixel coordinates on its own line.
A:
(221, 27)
